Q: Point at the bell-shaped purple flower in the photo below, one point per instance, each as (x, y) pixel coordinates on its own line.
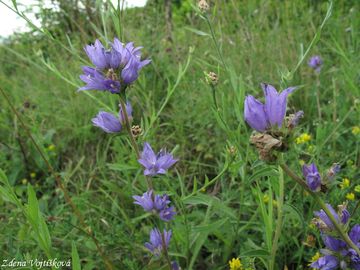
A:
(158, 241)
(254, 114)
(167, 213)
(325, 223)
(312, 177)
(155, 163)
(97, 55)
(175, 266)
(275, 103)
(327, 262)
(333, 244)
(263, 116)
(161, 202)
(354, 234)
(107, 122)
(95, 80)
(145, 201)
(156, 203)
(315, 62)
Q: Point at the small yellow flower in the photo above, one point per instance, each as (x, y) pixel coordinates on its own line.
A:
(311, 148)
(345, 183)
(235, 264)
(350, 196)
(33, 175)
(301, 162)
(24, 181)
(355, 130)
(266, 198)
(51, 147)
(315, 258)
(303, 138)
(357, 188)
(349, 162)
(275, 203)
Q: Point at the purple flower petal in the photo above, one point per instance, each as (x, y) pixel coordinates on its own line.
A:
(254, 114)
(107, 122)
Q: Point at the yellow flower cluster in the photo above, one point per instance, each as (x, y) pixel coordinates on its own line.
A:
(315, 258)
(350, 196)
(357, 188)
(303, 138)
(235, 264)
(345, 183)
(355, 130)
(51, 147)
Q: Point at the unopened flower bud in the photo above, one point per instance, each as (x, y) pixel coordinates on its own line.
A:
(203, 6)
(136, 131)
(211, 78)
(232, 150)
(294, 119)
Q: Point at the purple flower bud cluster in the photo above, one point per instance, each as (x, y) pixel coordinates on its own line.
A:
(115, 68)
(313, 178)
(262, 117)
(157, 204)
(337, 254)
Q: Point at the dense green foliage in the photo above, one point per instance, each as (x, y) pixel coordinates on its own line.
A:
(235, 216)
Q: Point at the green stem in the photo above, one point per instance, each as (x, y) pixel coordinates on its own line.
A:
(279, 220)
(337, 226)
(213, 89)
(215, 42)
(318, 96)
(131, 136)
(166, 254)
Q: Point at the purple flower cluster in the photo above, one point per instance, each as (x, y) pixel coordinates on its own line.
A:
(264, 116)
(157, 204)
(315, 62)
(115, 68)
(155, 163)
(158, 241)
(337, 254)
(109, 122)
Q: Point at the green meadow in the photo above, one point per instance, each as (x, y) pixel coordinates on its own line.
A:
(66, 186)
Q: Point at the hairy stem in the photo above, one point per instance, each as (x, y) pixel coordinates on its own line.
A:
(166, 254)
(131, 136)
(215, 42)
(279, 220)
(59, 183)
(337, 226)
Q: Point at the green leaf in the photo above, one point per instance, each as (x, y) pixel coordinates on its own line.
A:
(208, 228)
(33, 205)
(198, 32)
(75, 257)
